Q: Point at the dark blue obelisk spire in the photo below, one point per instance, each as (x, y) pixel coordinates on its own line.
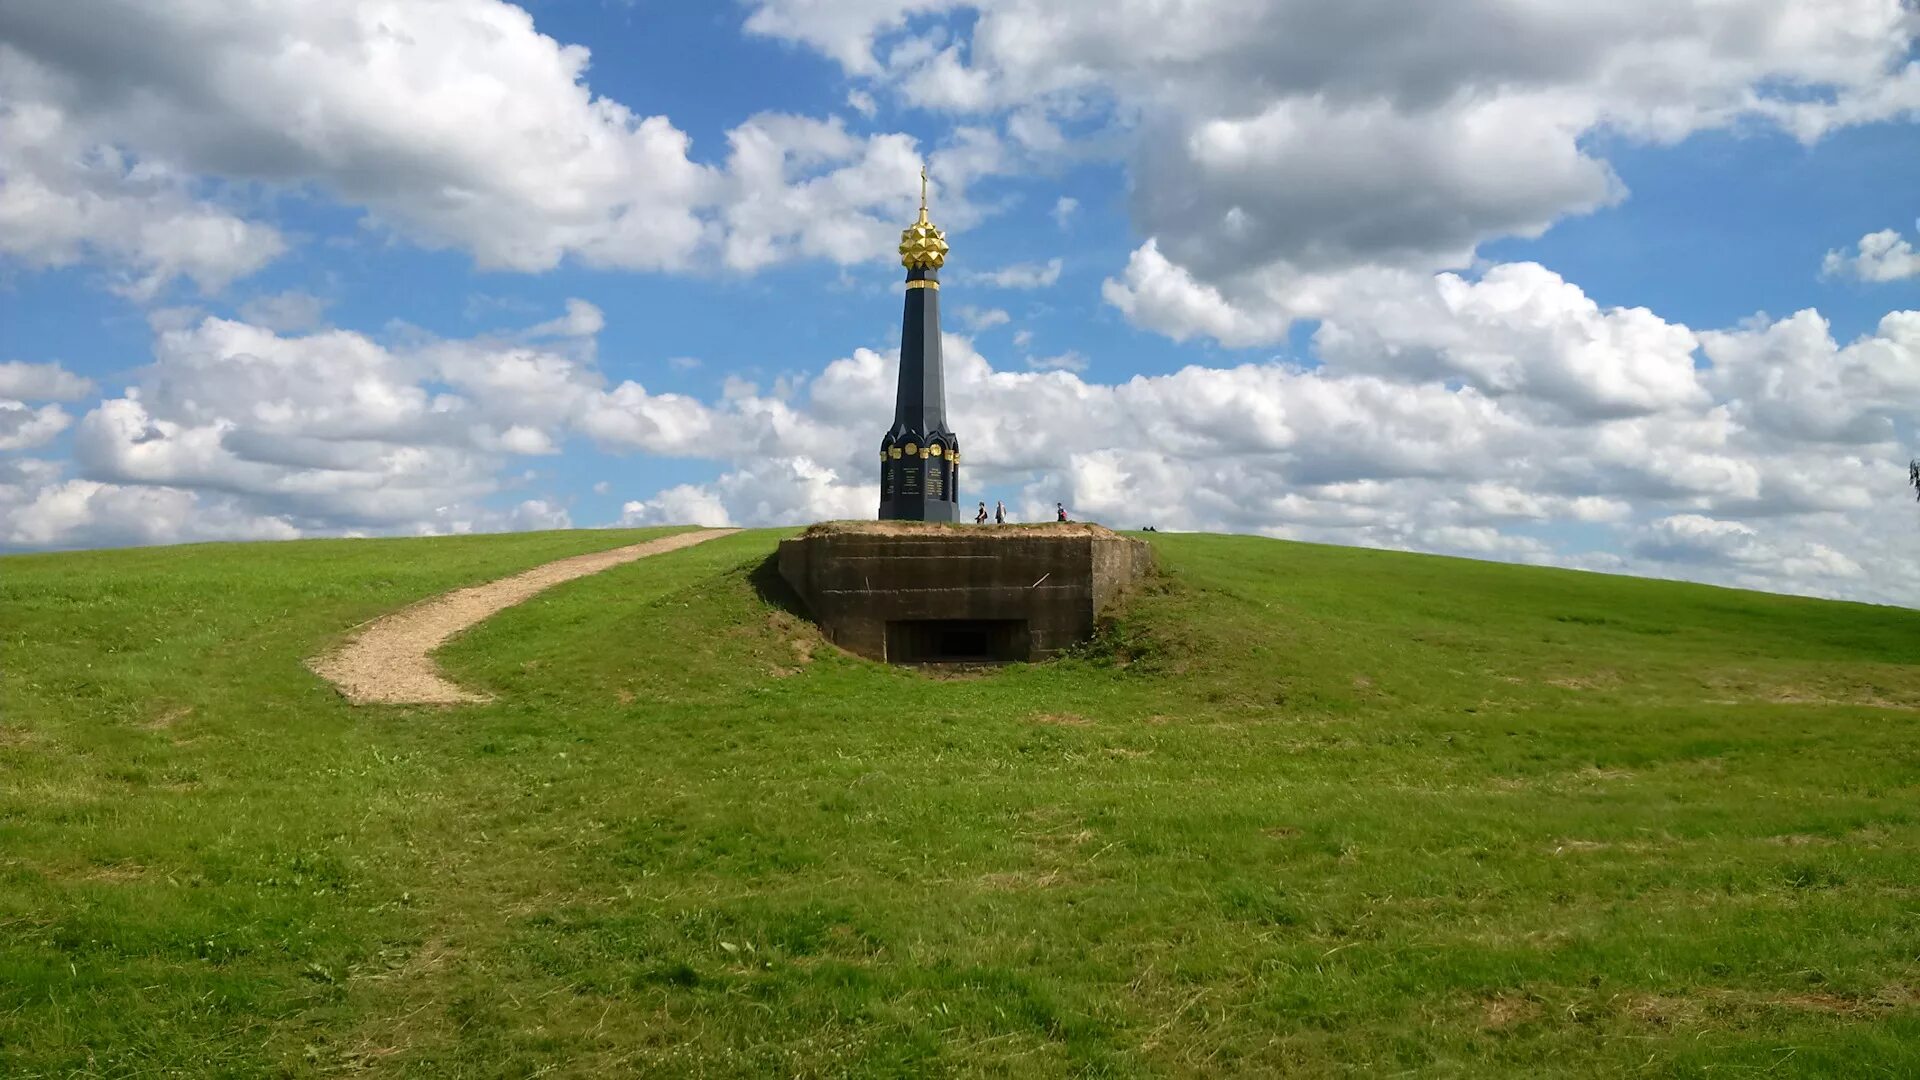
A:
(919, 457)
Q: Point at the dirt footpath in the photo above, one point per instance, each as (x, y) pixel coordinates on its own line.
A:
(390, 662)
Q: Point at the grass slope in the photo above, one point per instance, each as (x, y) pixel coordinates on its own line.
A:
(1306, 809)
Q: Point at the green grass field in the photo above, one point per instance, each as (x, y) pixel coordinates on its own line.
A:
(1304, 810)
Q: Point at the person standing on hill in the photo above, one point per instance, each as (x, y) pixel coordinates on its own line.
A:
(1061, 510)
(999, 512)
(981, 517)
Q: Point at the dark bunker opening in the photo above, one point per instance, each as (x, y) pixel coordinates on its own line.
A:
(957, 641)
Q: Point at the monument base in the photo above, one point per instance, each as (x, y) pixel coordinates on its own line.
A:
(919, 592)
(915, 508)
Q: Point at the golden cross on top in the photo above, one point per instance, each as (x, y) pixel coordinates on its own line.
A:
(923, 187)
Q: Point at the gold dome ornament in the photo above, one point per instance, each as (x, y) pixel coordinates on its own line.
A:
(923, 247)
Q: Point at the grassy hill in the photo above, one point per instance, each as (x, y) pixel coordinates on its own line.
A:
(1305, 809)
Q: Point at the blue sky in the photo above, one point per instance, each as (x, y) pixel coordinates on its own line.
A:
(1627, 289)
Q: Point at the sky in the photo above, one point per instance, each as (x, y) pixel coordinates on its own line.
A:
(1631, 287)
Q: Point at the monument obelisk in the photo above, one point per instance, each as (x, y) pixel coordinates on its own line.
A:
(919, 457)
(929, 594)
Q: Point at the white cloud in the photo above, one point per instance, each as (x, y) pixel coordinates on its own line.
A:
(23, 427)
(1063, 210)
(535, 514)
(1496, 503)
(1792, 380)
(683, 504)
(1157, 294)
(630, 417)
(1692, 538)
(582, 320)
(795, 490)
(520, 439)
(1018, 276)
(63, 199)
(775, 211)
(1879, 256)
(1519, 329)
(40, 510)
(312, 482)
(1317, 185)
(84, 513)
(1266, 139)
(1034, 132)
(291, 311)
(978, 319)
(325, 432)
(1277, 139)
(503, 149)
(942, 80)
(842, 29)
(1066, 361)
(42, 382)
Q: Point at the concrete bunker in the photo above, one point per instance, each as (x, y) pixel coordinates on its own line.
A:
(927, 593)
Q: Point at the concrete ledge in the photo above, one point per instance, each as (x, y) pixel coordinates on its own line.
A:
(923, 591)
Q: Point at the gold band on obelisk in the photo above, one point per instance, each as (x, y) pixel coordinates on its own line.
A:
(922, 283)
